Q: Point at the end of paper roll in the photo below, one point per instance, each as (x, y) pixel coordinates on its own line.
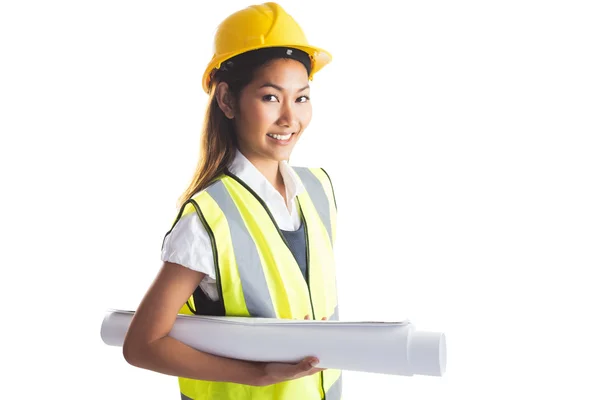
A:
(427, 353)
(113, 329)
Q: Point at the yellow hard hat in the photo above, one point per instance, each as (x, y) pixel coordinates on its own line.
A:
(257, 27)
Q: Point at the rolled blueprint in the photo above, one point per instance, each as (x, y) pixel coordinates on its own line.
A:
(393, 348)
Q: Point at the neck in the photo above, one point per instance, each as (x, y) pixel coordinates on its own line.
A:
(270, 170)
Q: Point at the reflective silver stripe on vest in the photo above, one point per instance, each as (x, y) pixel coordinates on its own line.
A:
(254, 284)
(184, 397)
(317, 195)
(335, 391)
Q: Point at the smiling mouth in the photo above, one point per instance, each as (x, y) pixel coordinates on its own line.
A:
(281, 138)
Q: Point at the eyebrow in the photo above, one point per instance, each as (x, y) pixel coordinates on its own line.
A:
(274, 86)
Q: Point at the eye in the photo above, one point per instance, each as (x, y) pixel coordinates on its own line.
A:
(303, 99)
(270, 97)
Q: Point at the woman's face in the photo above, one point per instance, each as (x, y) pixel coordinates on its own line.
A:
(273, 111)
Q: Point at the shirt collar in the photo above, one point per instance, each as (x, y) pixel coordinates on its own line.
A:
(247, 172)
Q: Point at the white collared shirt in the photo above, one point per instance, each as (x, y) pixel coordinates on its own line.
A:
(188, 242)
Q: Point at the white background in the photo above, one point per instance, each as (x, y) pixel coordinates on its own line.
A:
(461, 137)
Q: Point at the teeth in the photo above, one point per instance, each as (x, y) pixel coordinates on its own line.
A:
(280, 137)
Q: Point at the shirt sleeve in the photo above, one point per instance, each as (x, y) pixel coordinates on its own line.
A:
(188, 244)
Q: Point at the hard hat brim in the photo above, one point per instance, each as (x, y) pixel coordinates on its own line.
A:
(318, 56)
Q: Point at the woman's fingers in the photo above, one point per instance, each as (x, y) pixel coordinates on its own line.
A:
(308, 317)
(310, 365)
(306, 367)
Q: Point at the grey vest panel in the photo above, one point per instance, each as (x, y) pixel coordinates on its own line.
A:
(335, 391)
(297, 242)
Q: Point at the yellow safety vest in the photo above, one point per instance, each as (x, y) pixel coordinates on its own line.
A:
(258, 276)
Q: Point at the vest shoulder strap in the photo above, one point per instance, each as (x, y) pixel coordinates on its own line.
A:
(320, 190)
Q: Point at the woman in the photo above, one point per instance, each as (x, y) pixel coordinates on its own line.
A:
(254, 236)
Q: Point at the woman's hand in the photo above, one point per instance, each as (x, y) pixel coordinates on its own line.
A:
(322, 319)
(279, 372)
(275, 372)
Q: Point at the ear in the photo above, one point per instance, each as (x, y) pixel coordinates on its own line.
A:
(225, 100)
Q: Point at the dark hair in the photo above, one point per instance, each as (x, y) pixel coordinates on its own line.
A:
(218, 141)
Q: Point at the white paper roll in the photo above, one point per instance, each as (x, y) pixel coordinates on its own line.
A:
(393, 348)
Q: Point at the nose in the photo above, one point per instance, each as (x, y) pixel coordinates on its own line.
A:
(287, 116)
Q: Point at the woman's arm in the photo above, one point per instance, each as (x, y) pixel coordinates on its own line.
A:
(147, 344)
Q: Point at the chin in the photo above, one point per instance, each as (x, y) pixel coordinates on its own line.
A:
(280, 155)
